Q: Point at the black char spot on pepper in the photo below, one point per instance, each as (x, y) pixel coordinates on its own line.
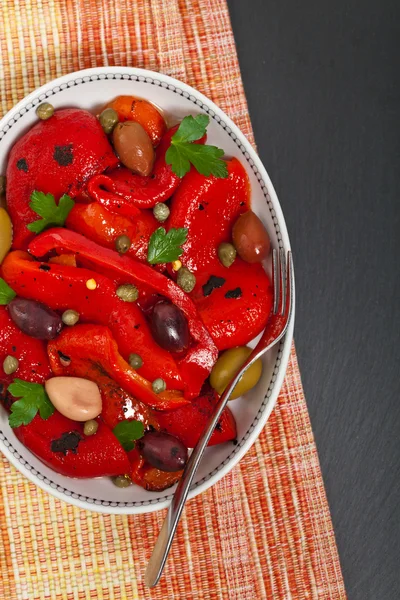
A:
(62, 355)
(236, 293)
(201, 207)
(218, 426)
(63, 155)
(44, 268)
(22, 165)
(68, 441)
(14, 348)
(212, 284)
(242, 203)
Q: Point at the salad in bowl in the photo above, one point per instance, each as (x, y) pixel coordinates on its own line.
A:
(132, 280)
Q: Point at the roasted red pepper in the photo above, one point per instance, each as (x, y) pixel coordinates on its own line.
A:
(56, 156)
(118, 405)
(103, 227)
(208, 207)
(31, 353)
(121, 190)
(234, 303)
(98, 455)
(91, 350)
(199, 360)
(62, 287)
(149, 477)
(188, 422)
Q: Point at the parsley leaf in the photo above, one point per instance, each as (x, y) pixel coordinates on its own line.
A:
(182, 152)
(127, 432)
(52, 214)
(166, 247)
(6, 293)
(33, 398)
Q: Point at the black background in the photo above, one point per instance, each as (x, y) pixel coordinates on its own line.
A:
(322, 83)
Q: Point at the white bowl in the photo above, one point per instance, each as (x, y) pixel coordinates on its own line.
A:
(90, 89)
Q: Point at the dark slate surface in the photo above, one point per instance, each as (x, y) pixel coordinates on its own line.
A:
(322, 82)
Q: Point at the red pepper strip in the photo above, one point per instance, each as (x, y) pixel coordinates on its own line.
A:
(105, 191)
(118, 405)
(103, 227)
(208, 207)
(124, 189)
(198, 362)
(56, 156)
(33, 360)
(92, 348)
(149, 477)
(188, 423)
(62, 287)
(237, 311)
(99, 455)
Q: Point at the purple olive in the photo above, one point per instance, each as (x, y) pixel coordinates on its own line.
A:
(163, 451)
(35, 319)
(169, 327)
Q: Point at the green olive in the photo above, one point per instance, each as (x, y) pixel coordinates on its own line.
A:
(45, 110)
(135, 361)
(228, 364)
(159, 386)
(10, 364)
(90, 427)
(161, 212)
(2, 185)
(70, 317)
(186, 280)
(108, 119)
(227, 254)
(122, 481)
(122, 244)
(128, 292)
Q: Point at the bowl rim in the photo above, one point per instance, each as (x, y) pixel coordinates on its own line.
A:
(250, 155)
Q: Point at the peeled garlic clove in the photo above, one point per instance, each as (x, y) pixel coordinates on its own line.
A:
(75, 398)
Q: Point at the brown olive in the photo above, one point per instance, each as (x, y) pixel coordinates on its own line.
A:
(134, 147)
(163, 451)
(250, 238)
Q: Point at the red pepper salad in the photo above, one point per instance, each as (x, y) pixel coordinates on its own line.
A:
(131, 280)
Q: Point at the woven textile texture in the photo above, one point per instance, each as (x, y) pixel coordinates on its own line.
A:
(264, 531)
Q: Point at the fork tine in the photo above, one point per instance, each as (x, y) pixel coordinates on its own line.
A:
(289, 283)
(275, 278)
(282, 281)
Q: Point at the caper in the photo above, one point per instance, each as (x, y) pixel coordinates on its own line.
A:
(2, 185)
(70, 317)
(128, 292)
(10, 364)
(90, 427)
(226, 254)
(186, 280)
(122, 244)
(108, 119)
(161, 212)
(122, 481)
(135, 361)
(159, 386)
(45, 110)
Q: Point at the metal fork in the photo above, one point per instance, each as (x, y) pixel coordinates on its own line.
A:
(283, 284)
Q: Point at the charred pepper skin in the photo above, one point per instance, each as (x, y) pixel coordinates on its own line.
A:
(56, 156)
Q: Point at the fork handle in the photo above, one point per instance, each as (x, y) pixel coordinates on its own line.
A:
(162, 546)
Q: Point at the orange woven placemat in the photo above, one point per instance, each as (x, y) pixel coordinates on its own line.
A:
(264, 531)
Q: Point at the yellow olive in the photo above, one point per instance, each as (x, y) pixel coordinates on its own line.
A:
(5, 233)
(228, 364)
